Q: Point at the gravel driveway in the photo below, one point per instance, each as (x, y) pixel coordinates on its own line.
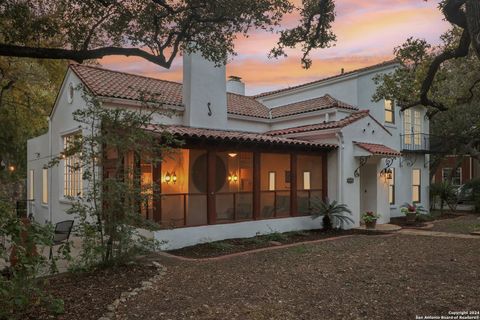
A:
(360, 277)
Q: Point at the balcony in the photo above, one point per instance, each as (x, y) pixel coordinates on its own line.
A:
(420, 143)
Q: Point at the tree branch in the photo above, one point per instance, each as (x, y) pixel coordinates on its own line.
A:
(79, 56)
(459, 52)
(452, 10)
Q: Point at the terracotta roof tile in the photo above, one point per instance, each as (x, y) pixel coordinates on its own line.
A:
(323, 126)
(115, 84)
(378, 149)
(315, 104)
(382, 64)
(235, 136)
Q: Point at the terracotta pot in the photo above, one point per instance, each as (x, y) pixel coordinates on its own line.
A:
(370, 224)
(411, 217)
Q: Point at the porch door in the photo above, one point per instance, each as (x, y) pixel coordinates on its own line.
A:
(412, 126)
(368, 188)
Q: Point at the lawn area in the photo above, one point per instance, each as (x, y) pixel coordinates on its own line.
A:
(464, 224)
(359, 277)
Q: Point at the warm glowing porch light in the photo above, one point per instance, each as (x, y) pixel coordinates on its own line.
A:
(232, 155)
(170, 177)
(389, 174)
(11, 168)
(232, 177)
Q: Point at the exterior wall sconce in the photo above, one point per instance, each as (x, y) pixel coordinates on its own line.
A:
(11, 168)
(170, 177)
(232, 177)
(387, 173)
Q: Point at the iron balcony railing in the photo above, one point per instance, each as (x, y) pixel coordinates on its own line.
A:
(420, 143)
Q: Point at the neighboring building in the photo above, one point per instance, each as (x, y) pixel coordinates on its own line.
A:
(266, 156)
(466, 169)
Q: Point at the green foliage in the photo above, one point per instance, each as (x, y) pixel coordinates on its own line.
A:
(107, 212)
(221, 245)
(275, 236)
(27, 90)
(332, 212)
(445, 193)
(20, 287)
(473, 187)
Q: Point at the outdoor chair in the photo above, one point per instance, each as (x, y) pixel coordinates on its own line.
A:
(62, 234)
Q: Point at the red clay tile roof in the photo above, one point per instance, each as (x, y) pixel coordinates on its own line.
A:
(246, 106)
(235, 136)
(382, 64)
(323, 126)
(115, 84)
(315, 104)
(378, 149)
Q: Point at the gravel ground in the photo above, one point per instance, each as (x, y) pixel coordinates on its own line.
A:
(360, 277)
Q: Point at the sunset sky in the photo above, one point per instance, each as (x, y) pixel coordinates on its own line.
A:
(367, 31)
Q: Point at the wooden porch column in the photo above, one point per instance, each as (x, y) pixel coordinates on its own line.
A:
(293, 185)
(256, 185)
(325, 177)
(211, 181)
(157, 195)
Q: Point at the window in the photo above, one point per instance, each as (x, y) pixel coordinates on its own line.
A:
(389, 111)
(45, 186)
(417, 127)
(72, 171)
(407, 126)
(70, 93)
(391, 188)
(31, 175)
(275, 185)
(456, 177)
(416, 184)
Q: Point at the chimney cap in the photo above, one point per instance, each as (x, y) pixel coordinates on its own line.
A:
(342, 71)
(235, 78)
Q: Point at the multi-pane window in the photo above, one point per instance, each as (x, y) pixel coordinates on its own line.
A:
(31, 177)
(416, 185)
(417, 127)
(45, 186)
(389, 111)
(72, 171)
(456, 176)
(407, 126)
(391, 188)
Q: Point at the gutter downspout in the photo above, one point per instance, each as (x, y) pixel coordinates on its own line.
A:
(49, 187)
(339, 136)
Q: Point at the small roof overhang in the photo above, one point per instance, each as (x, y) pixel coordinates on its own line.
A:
(373, 149)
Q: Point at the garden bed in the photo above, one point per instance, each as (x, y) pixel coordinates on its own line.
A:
(229, 246)
(87, 295)
(426, 220)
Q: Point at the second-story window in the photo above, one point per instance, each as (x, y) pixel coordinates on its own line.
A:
(389, 111)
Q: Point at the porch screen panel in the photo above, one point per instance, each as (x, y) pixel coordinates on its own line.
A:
(146, 181)
(184, 188)
(275, 192)
(234, 199)
(309, 182)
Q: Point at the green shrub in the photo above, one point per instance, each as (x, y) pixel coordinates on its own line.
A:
(20, 286)
(334, 214)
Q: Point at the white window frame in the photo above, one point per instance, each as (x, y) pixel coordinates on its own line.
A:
(72, 184)
(271, 180)
(459, 173)
(389, 108)
(31, 184)
(45, 186)
(419, 186)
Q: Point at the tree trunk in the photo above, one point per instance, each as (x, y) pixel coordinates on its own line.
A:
(473, 21)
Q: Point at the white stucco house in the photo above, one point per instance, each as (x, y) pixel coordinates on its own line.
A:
(251, 164)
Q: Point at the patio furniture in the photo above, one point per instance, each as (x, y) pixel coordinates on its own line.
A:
(62, 234)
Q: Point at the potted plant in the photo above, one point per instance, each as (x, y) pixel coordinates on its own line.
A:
(370, 219)
(411, 211)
